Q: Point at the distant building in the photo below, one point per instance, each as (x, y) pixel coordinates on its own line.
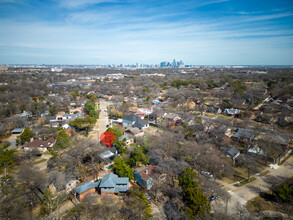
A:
(56, 69)
(3, 68)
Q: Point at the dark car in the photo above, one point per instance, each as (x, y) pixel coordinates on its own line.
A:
(213, 197)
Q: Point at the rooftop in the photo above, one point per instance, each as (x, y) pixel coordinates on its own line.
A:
(85, 187)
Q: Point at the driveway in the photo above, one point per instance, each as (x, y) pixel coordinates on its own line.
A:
(12, 140)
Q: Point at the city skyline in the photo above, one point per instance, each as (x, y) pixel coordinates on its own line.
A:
(213, 32)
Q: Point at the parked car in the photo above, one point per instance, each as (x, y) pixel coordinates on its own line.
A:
(207, 174)
(213, 197)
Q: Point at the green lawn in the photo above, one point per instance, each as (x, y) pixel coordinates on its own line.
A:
(39, 161)
(245, 182)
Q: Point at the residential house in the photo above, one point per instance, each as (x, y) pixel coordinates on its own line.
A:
(143, 176)
(44, 113)
(232, 152)
(243, 134)
(41, 145)
(112, 184)
(256, 150)
(134, 132)
(85, 189)
(231, 111)
(17, 131)
(145, 111)
(171, 117)
(214, 109)
(156, 116)
(129, 140)
(109, 153)
(134, 121)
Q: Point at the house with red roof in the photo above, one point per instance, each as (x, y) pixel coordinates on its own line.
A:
(144, 176)
(41, 145)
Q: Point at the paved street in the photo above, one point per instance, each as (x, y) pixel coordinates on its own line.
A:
(240, 195)
(102, 122)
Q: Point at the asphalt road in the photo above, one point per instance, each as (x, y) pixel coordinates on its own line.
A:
(240, 195)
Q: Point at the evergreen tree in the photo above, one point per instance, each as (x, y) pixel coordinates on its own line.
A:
(138, 156)
(62, 140)
(196, 203)
(121, 168)
(25, 136)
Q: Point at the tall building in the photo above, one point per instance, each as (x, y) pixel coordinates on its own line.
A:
(174, 63)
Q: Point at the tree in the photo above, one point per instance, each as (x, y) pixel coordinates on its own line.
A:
(62, 140)
(121, 168)
(90, 109)
(138, 156)
(83, 123)
(238, 87)
(53, 110)
(6, 160)
(92, 97)
(285, 193)
(51, 204)
(186, 179)
(25, 136)
(196, 203)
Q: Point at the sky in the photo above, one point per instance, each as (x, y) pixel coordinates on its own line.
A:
(199, 32)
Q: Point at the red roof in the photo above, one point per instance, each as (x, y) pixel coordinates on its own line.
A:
(40, 143)
(146, 172)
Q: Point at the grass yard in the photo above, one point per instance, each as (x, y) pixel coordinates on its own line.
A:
(40, 161)
(245, 182)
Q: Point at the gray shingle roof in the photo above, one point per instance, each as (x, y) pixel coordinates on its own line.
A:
(244, 134)
(138, 122)
(89, 185)
(110, 180)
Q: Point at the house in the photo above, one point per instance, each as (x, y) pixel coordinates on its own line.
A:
(145, 111)
(143, 176)
(134, 121)
(231, 111)
(109, 153)
(243, 134)
(85, 189)
(112, 184)
(171, 117)
(134, 132)
(44, 113)
(17, 131)
(156, 116)
(232, 152)
(129, 140)
(214, 109)
(41, 145)
(256, 150)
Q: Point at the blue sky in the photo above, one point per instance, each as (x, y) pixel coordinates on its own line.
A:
(201, 32)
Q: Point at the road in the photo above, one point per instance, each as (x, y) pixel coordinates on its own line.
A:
(240, 195)
(102, 122)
